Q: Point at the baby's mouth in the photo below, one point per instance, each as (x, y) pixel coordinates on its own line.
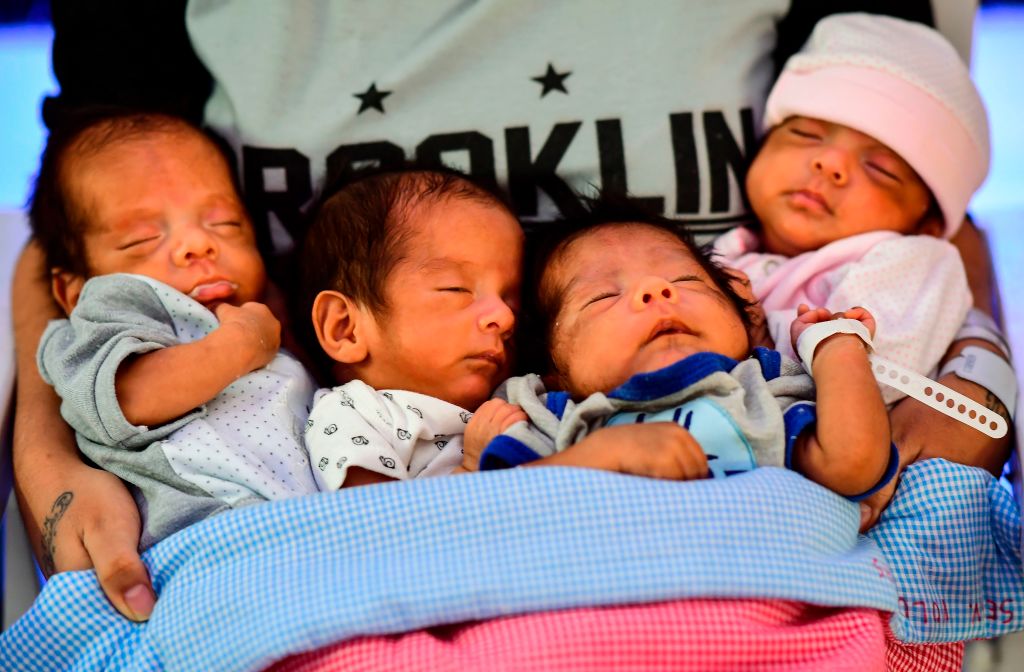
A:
(668, 328)
(218, 290)
(810, 200)
(494, 357)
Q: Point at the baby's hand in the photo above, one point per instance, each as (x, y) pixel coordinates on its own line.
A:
(658, 450)
(492, 418)
(806, 316)
(255, 330)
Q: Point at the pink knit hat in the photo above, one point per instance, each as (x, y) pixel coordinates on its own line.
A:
(901, 83)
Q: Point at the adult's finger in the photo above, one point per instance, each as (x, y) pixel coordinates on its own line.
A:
(123, 577)
(871, 508)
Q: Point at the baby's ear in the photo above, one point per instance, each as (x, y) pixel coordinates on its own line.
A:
(66, 287)
(337, 320)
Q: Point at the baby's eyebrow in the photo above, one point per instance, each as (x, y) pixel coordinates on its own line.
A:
(442, 264)
(126, 223)
(578, 280)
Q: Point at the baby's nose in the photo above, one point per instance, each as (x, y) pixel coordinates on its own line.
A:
(653, 289)
(194, 244)
(833, 167)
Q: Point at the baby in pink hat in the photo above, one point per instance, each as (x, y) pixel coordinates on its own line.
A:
(878, 138)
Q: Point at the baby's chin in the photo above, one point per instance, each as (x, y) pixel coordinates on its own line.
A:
(471, 394)
(657, 358)
(647, 361)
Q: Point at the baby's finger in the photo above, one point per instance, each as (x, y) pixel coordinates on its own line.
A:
(695, 465)
(814, 315)
(858, 313)
(512, 418)
(223, 310)
(491, 409)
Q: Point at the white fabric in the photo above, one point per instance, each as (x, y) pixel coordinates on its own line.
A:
(287, 76)
(396, 433)
(914, 286)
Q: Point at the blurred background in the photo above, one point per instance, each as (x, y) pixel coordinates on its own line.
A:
(997, 62)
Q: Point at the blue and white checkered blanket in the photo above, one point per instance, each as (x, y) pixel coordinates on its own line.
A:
(246, 588)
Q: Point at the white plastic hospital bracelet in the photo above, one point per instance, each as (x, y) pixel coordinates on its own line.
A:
(927, 391)
(981, 326)
(987, 369)
(816, 333)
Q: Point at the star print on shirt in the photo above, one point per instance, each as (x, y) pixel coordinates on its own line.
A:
(552, 81)
(372, 98)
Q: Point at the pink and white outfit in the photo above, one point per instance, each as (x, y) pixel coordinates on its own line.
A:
(904, 85)
(915, 286)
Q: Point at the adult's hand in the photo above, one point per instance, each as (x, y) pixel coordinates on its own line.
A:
(95, 524)
(76, 516)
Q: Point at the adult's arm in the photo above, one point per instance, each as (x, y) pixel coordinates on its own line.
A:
(105, 52)
(77, 517)
(917, 430)
(921, 433)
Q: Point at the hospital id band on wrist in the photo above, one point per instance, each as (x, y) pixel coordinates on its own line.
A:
(987, 369)
(816, 333)
(980, 326)
(936, 395)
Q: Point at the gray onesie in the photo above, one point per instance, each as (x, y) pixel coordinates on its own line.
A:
(743, 415)
(243, 446)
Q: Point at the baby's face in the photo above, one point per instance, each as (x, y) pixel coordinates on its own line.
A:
(452, 301)
(815, 182)
(634, 300)
(163, 205)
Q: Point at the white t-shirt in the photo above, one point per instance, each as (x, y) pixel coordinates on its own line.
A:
(662, 97)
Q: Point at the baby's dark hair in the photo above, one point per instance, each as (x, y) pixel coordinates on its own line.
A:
(543, 303)
(358, 232)
(59, 223)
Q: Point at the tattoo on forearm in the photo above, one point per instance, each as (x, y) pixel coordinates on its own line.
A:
(60, 506)
(992, 403)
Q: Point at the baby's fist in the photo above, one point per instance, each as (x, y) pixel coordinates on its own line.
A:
(806, 316)
(491, 419)
(255, 329)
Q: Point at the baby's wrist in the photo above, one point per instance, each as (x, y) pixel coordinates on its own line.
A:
(239, 347)
(839, 345)
(812, 342)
